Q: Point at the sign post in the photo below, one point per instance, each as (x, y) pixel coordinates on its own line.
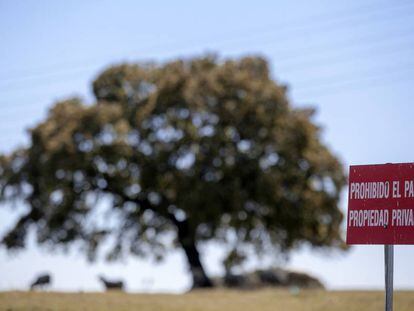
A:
(381, 211)
(389, 271)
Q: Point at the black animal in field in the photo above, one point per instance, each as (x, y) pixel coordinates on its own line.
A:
(111, 284)
(41, 281)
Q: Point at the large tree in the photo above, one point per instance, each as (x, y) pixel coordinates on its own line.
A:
(192, 148)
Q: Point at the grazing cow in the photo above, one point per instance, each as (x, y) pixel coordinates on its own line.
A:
(41, 281)
(270, 277)
(112, 285)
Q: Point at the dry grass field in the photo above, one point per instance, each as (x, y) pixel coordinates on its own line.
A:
(207, 301)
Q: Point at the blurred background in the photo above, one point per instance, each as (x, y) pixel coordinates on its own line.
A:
(350, 60)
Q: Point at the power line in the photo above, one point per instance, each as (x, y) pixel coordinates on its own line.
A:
(340, 82)
(289, 56)
(48, 74)
(351, 43)
(393, 50)
(347, 43)
(329, 84)
(384, 38)
(73, 71)
(345, 88)
(330, 25)
(40, 80)
(306, 64)
(370, 72)
(324, 17)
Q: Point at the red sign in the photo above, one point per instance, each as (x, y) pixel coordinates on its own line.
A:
(381, 204)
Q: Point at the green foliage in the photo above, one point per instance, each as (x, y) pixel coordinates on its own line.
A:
(215, 143)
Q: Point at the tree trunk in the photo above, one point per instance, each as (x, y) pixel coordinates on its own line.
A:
(186, 237)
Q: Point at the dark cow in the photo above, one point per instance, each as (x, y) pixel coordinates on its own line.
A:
(42, 280)
(112, 285)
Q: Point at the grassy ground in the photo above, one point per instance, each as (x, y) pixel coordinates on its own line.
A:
(207, 301)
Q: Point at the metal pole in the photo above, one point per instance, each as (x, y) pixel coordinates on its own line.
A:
(389, 276)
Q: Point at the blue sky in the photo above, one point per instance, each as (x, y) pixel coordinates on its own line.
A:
(352, 60)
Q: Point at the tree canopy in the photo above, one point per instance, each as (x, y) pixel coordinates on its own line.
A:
(197, 147)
